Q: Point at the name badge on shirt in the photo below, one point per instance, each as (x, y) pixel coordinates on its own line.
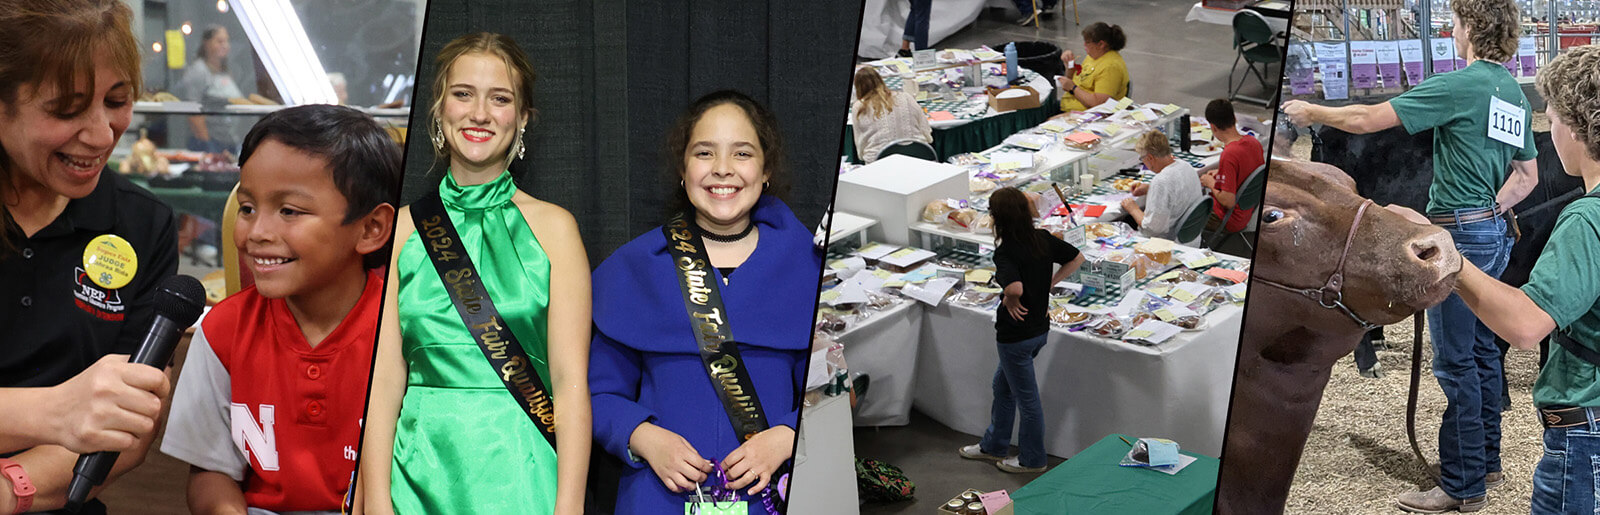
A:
(707, 505)
(1506, 122)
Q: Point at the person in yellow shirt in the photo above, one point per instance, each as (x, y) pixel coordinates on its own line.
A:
(1104, 75)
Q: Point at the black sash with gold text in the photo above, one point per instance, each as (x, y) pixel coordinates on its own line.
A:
(493, 336)
(709, 318)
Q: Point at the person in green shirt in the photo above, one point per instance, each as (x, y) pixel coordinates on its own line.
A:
(1480, 121)
(1562, 294)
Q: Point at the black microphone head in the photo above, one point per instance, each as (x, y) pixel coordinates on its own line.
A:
(181, 299)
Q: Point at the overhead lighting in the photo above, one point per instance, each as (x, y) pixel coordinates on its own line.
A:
(278, 37)
(187, 28)
(222, 6)
(155, 47)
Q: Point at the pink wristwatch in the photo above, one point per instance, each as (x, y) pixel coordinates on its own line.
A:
(21, 486)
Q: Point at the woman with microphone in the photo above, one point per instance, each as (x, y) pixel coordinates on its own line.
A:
(81, 252)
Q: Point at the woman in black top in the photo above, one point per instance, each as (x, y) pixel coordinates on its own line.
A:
(1023, 264)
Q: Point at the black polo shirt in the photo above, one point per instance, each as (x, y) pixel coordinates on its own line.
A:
(1013, 262)
(54, 322)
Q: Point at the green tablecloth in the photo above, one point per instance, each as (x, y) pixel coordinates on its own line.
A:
(1093, 483)
(976, 135)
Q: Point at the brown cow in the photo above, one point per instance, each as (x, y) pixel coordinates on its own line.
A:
(1291, 342)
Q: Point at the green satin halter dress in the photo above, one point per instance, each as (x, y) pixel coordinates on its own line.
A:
(461, 444)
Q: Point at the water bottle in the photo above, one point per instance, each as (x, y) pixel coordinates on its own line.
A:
(1011, 62)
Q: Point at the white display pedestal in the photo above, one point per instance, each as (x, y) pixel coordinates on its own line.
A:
(893, 191)
(824, 460)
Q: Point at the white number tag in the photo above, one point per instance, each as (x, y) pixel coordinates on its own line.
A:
(1506, 122)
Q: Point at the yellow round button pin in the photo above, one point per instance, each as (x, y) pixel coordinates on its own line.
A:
(110, 261)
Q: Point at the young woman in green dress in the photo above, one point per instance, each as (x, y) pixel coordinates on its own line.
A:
(443, 434)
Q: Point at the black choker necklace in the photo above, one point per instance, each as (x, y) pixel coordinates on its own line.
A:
(730, 238)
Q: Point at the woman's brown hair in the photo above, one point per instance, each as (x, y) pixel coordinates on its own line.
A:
(872, 92)
(517, 66)
(54, 43)
(1013, 221)
(1111, 35)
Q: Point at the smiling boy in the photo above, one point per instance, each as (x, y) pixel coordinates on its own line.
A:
(268, 409)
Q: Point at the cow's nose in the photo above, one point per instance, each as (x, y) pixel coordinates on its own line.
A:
(1437, 250)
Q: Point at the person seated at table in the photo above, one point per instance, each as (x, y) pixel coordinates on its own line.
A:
(1174, 189)
(1104, 75)
(884, 117)
(1241, 154)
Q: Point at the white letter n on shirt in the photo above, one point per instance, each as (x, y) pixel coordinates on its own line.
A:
(247, 435)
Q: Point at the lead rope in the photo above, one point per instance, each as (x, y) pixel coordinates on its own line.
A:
(1411, 396)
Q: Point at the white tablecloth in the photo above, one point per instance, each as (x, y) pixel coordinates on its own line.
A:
(882, 347)
(1090, 387)
(883, 24)
(1205, 14)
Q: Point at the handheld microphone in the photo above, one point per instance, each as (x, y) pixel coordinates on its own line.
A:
(178, 303)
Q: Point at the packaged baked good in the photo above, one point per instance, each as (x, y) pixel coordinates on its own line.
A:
(1109, 327)
(1157, 249)
(937, 210)
(1100, 230)
(1065, 316)
(984, 224)
(961, 219)
(980, 185)
(1189, 322)
(830, 323)
(1125, 184)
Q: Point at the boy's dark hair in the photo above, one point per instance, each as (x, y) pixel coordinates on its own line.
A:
(1219, 113)
(365, 161)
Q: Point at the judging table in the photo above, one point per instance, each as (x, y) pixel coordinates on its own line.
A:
(1090, 386)
(1093, 483)
(974, 125)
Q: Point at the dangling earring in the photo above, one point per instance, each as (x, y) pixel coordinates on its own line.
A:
(437, 136)
(522, 148)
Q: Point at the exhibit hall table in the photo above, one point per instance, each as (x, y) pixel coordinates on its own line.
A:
(1094, 483)
(972, 134)
(1089, 386)
(1277, 17)
(882, 346)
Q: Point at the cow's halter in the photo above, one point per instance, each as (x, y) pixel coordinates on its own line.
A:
(1331, 295)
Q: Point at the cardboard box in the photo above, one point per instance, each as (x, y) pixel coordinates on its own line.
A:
(1011, 104)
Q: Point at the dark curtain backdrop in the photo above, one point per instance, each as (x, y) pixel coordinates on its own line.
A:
(613, 76)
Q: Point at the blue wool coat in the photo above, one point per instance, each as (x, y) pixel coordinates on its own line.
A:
(644, 364)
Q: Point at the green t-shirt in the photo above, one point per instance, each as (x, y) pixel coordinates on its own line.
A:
(1468, 166)
(1565, 283)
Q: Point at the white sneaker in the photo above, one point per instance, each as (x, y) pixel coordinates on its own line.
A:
(1014, 465)
(975, 452)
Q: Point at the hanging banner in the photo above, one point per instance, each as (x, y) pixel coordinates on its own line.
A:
(1389, 62)
(1444, 54)
(1411, 56)
(1528, 56)
(1335, 78)
(1301, 68)
(1363, 64)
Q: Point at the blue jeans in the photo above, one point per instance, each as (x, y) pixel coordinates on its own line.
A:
(1564, 481)
(1016, 390)
(1467, 365)
(917, 23)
